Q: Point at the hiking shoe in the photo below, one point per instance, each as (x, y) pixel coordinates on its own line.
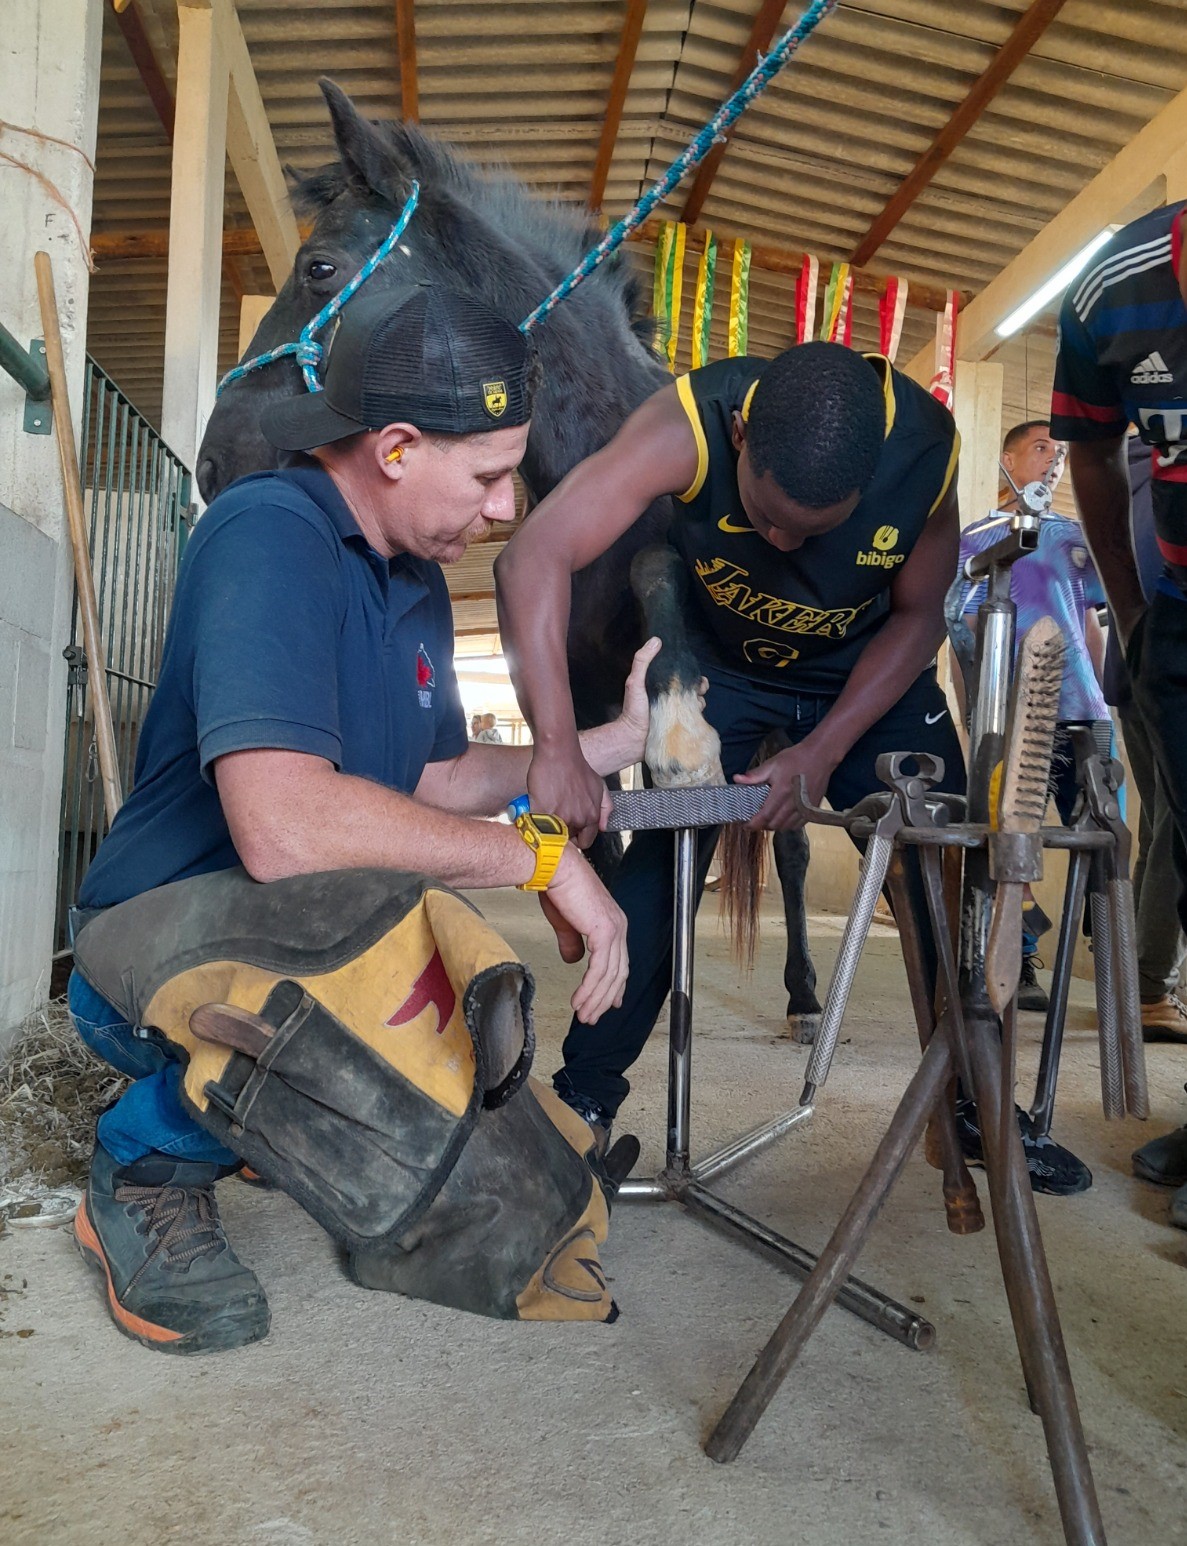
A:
(1164, 1019)
(1031, 993)
(1163, 1160)
(172, 1280)
(1053, 1169)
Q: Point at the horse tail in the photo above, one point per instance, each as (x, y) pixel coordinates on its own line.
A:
(743, 867)
(742, 856)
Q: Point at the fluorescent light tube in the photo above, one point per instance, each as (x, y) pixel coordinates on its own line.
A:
(1047, 292)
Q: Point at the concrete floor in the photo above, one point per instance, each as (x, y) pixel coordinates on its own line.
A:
(371, 1419)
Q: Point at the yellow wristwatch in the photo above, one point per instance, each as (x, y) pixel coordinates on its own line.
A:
(545, 835)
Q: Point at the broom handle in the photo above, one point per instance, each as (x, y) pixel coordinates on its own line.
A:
(84, 579)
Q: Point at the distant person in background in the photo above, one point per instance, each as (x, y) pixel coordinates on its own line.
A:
(1057, 580)
(489, 731)
(1160, 940)
(475, 726)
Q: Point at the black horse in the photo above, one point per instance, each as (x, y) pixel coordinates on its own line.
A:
(488, 236)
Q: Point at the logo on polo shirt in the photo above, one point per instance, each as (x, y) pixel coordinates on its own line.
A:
(426, 678)
(1151, 371)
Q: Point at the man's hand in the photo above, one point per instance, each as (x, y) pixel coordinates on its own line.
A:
(781, 810)
(583, 914)
(635, 718)
(561, 782)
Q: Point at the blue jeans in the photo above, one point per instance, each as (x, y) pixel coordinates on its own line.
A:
(149, 1117)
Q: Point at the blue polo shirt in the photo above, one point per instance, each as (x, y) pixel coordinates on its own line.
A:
(288, 630)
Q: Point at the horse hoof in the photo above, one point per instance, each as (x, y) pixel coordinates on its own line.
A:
(803, 1028)
(682, 749)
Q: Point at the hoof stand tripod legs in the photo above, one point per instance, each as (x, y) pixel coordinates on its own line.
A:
(972, 1046)
(681, 811)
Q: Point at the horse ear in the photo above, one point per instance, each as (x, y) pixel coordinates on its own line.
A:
(364, 154)
(292, 175)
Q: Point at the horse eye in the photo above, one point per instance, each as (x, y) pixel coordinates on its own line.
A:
(318, 271)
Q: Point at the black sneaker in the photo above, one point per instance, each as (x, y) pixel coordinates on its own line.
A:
(1031, 993)
(173, 1282)
(1053, 1169)
(591, 1112)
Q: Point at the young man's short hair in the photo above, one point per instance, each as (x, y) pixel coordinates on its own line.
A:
(817, 423)
(1020, 431)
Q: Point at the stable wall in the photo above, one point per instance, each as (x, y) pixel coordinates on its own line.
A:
(49, 83)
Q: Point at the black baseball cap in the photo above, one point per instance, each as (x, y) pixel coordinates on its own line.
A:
(417, 354)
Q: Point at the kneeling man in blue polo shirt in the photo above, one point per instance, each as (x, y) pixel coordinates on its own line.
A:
(307, 719)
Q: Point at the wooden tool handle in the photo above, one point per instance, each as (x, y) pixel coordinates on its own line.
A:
(88, 608)
(229, 1026)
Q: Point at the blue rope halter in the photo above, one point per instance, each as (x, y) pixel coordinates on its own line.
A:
(308, 351)
(730, 110)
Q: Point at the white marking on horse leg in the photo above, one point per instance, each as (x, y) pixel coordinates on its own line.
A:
(682, 747)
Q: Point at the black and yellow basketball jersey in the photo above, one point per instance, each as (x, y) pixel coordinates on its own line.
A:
(803, 618)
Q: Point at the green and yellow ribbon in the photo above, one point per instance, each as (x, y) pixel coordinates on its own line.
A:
(702, 310)
(668, 284)
(739, 298)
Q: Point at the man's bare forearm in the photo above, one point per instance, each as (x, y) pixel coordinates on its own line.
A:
(486, 777)
(1100, 480)
(307, 819)
(533, 588)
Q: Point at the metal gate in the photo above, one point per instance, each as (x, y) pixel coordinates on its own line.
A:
(137, 496)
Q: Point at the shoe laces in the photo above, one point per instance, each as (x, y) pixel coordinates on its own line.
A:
(184, 1219)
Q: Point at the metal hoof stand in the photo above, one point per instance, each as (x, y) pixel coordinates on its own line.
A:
(963, 1035)
(683, 811)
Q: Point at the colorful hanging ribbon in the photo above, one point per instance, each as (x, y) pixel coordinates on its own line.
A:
(702, 309)
(837, 327)
(668, 286)
(805, 298)
(739, 329)
(891, 307)
(944, 381)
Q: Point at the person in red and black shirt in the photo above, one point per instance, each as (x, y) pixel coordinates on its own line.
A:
(1122, 360)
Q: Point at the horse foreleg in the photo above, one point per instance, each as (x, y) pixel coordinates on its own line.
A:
(792, 853)
(682, 747)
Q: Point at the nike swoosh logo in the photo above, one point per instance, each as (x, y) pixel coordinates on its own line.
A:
(724, 525)
(932, 719)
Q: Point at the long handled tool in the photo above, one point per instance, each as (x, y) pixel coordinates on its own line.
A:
(83, 577)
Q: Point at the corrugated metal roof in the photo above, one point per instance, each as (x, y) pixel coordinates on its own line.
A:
(525, 85)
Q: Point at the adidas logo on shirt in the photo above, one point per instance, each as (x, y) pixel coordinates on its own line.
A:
(1151, 371)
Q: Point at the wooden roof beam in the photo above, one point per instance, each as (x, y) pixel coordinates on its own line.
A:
(114, 246)
(628, 47)
(761, 32)
(406, 49)
(252, 149)
(1157, 151)
(1029, 29)
(160, 94)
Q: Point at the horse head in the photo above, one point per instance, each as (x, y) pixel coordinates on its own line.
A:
(479, 233)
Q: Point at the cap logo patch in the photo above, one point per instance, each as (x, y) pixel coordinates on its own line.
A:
(494, 398)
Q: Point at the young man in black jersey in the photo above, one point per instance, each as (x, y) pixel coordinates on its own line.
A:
(814, 509)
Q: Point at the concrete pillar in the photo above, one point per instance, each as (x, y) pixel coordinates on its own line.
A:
(195, 232)
(49, 83)
(978, 411)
